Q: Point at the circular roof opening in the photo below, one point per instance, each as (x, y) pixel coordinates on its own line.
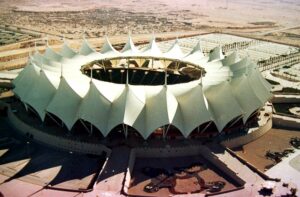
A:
(143, 71)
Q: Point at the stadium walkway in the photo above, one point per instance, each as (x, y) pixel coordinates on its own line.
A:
(242, 170)
(110, 182)
(288, 170)
(254, 182)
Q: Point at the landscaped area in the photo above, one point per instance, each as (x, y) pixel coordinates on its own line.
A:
(180, 175)
(275, 140)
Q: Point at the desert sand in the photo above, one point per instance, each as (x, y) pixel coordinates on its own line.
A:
(273, 19)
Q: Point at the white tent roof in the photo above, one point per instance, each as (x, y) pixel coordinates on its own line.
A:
(52, 55)
(53, 78)
(23, 84)
(152, 49)
(129, 49)
(196, 54)
(47, 64)
(23, 72)
(85, 48)
(96, 105)
(245, 96)
(156, 109)
(240, 68)
(67, 52)
(267, 85)
(59, 58)
(108, 50)
(36, 56)
(117, 110)
(222, 104)
(41, 93)
(135, 102)
(231, 59)
(216, 54)
(174, 51)
(66, 101)
(192, 116)
(261, 91)
(216, 73)
(231, 88)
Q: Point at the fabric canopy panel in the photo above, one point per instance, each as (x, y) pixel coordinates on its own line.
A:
(260, 89)
(25, 81)
(52, 55)
(175, 51)
(41, 94)
(96, 105)
(156, 111)
(135, 102)
(66, 102)
(152, 49)
(67, 52)
(192, 114)
(129, 48)
(216, 54)
(245, 96)
(53, 82)
(85, 48)
(117, 110)
(223, 104)
(195, 55)
(108, 50)
(231, 59)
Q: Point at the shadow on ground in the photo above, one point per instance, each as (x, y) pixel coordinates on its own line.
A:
(35, 163)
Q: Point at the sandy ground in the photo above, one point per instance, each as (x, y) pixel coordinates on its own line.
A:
(274, 140)
(139, 180)
(74, 17)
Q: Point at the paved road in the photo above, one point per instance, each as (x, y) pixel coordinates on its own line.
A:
(278, 30)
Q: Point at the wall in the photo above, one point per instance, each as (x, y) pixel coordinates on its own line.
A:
(177, 152)
(55, 141)
(286, 99)
(3, 105)
(249, 165)
(286, 122)
(239, 141)
(6, 84)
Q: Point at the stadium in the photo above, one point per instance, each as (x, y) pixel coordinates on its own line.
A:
(155, 118)
(143, 91)
(149, 98)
